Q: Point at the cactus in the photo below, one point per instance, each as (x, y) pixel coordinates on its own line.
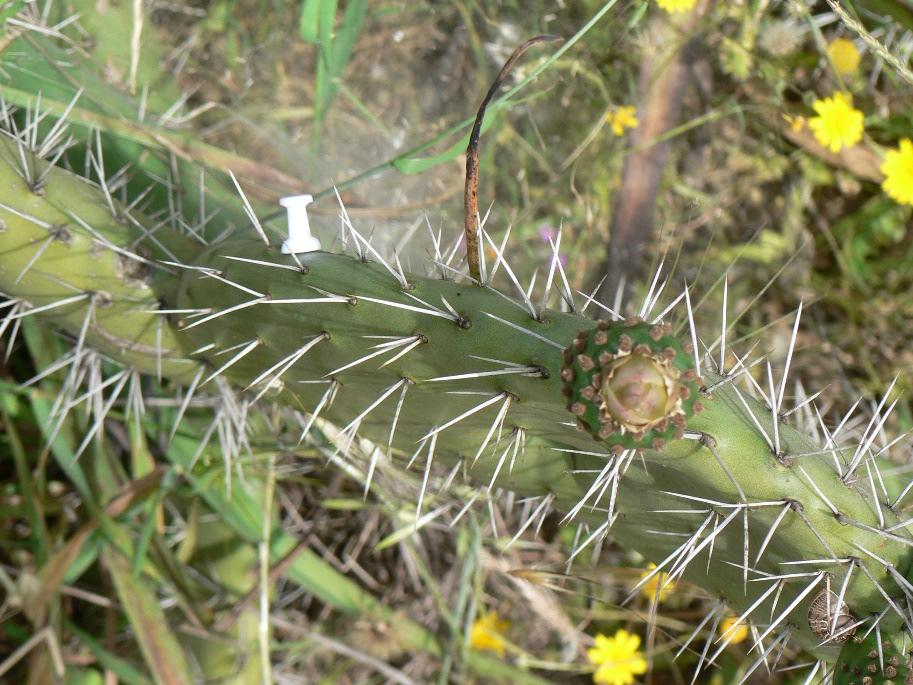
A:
(618, 424)
(873, 662)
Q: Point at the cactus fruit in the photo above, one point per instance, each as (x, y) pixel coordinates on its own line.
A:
(630, 386)
(797, 533)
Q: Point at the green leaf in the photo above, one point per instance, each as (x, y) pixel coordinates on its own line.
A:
(9, 9)
(344, 41)
(84, 676)
(343, 504)
(159, 644)
(310, 20)
(416, 165)
(125, 672)
(86, 557)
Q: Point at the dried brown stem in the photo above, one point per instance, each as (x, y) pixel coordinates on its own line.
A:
(471, 189)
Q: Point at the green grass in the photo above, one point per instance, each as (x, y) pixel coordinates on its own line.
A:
(318, 25)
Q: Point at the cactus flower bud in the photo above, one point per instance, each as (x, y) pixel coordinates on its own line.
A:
(638, 392)
(630, 384)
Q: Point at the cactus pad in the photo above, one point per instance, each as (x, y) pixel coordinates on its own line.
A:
(456, 378)
(865, 662)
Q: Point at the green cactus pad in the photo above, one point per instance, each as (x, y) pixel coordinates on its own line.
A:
(631, 385)
(456, 375)
(860, 663)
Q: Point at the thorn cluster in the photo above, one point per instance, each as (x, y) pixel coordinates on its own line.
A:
(631, 385)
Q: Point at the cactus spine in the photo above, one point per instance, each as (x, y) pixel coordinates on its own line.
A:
(732, 498)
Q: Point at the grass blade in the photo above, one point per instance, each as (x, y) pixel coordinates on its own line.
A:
(158, 643)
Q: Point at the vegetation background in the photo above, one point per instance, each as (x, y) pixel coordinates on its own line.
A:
(667, 134)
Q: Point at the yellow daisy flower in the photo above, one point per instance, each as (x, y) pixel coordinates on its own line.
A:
(623, 117)
(843, 55)
(675, 6)
(488, 633)
(617, 659)
(648, 589)
(838, 124)
(738, 631)
(898, 173)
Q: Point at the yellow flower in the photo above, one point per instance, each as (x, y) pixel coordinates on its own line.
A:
(624, 117)
(488, 633)
(898, 172)
(739, 632)
(843, 55)
(618, 659)
(675, 6)
(648, 589)
(838, 124)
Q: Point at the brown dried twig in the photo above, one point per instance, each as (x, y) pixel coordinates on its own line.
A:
(471, 189)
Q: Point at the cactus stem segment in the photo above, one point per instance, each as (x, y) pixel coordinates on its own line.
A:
(245, 350)
(874, 660)
(471, 380)
(410, 343)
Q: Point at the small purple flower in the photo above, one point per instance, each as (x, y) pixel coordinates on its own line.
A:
(548, 235)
